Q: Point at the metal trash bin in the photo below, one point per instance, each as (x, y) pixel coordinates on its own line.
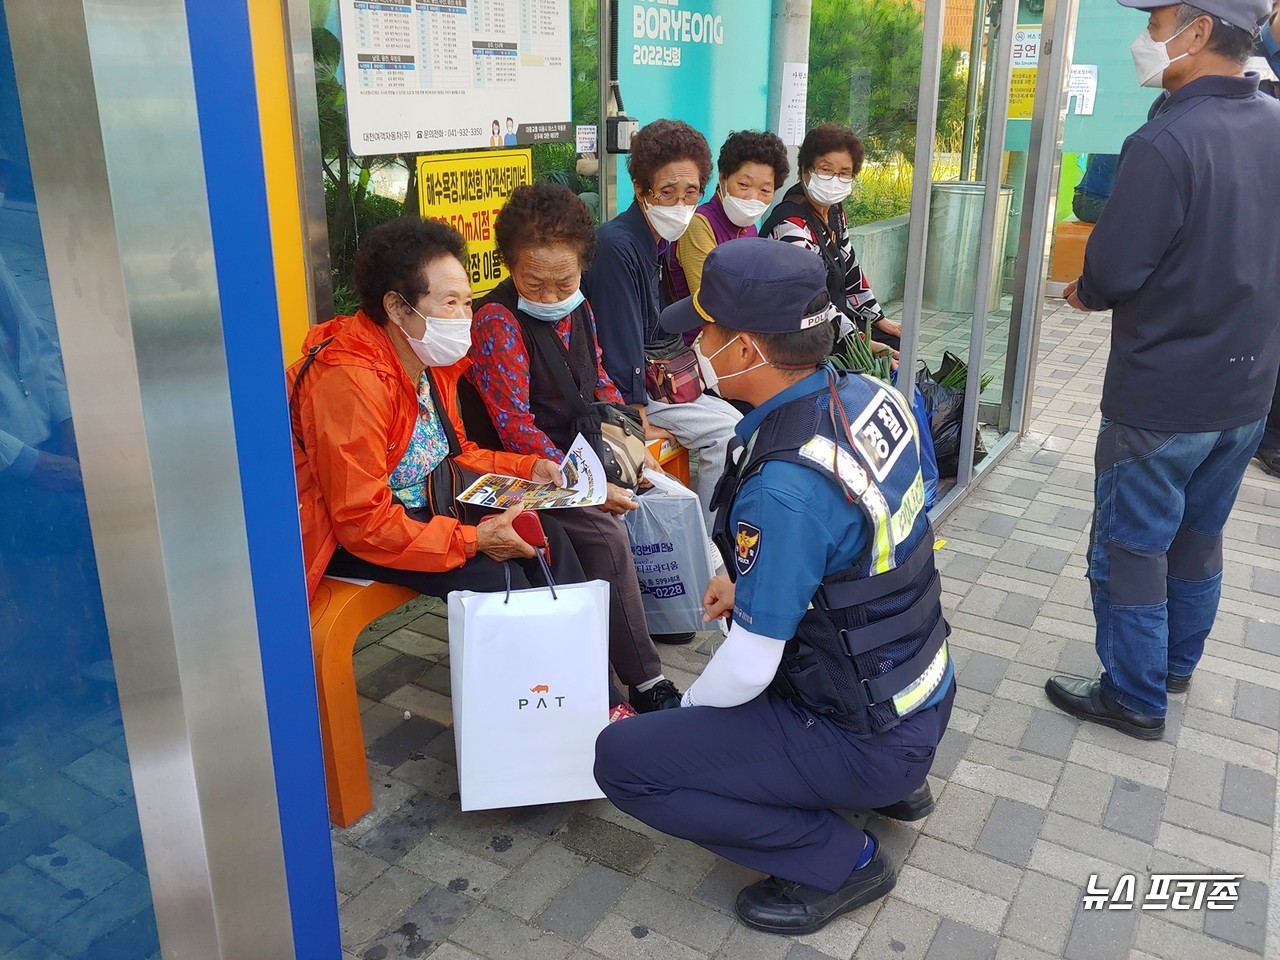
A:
(955, 237)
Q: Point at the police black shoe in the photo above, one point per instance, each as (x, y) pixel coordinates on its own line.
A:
(1269, 460)
(673, 639)
(1173, 683)
(663, 695)
(775, 905)
(1085, 699)
(917, 805)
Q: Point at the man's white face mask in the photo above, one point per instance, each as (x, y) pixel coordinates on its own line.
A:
(1151, 57)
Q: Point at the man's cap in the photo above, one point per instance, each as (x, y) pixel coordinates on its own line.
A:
(1245, 14)
(756, 285)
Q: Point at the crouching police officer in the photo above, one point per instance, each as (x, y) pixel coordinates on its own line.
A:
(834, 684)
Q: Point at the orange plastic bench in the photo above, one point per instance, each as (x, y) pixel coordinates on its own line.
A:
(339, 611)
(1066, 263)
(673, 458)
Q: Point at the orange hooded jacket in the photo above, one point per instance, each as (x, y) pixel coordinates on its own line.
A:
(355, 410)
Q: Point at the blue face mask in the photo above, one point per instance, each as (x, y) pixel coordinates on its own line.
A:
(551, 312)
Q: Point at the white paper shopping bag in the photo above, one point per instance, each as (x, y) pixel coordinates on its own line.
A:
(529, 673)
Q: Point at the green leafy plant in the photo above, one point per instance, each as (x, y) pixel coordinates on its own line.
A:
(853, 354)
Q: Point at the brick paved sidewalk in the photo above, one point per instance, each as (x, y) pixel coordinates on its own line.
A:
(1030, 802)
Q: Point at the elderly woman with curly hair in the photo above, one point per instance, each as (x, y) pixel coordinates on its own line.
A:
(534, 322)
(375, 413)
(812, 215)
(752, 165)
(629, 284)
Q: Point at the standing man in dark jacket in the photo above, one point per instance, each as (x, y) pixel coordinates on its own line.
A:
(1268, 455)
(1184, 256)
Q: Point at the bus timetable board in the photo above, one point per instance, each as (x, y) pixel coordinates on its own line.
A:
(454, 74)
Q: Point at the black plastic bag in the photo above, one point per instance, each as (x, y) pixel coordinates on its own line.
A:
(946, 413)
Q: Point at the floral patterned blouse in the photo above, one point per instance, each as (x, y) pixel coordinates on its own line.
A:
(427, 449)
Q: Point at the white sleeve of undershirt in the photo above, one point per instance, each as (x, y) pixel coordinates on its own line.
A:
(738, 672)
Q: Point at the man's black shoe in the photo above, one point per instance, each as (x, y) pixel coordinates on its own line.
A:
(1176, 684)
(917, 805)
(1084, 699)
(673, 639)
(1269, 460)
(663, 695)
(785, 906)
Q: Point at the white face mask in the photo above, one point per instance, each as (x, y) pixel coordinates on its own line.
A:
(444, 342)
(742, 213)
(708, 369)
(1151, 57)
(670, 223)
(827, 193)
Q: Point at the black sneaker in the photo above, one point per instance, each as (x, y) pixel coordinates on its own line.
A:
(1269, 460)
(1173, 683)
(917, 805)
(782, 906)
(673, 639)
(663, 695)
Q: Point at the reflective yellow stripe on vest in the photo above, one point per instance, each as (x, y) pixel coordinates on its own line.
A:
(923, 687)
(888, 531)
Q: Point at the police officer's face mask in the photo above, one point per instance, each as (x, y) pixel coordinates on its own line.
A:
(709, 374)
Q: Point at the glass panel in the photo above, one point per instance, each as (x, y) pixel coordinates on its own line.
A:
(73, 882)
(362, 192)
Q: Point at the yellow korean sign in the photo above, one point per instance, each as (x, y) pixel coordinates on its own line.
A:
(466, 191)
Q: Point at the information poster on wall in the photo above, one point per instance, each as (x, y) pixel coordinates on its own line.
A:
(793, 107)
(1022, 83)
(718, 48)
(466, 191)
(452, 74)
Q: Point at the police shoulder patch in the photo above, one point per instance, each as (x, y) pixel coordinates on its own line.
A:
(748, 547)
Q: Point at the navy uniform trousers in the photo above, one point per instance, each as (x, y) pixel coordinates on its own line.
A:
(760, 783)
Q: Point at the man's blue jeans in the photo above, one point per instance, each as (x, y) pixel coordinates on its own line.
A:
(1155, 552)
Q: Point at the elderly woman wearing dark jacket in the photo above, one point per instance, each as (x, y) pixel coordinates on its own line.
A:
(546, 238)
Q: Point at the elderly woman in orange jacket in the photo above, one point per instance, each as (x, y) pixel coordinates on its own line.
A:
(375, 412)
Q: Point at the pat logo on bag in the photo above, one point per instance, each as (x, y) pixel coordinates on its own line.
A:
(748, 547)
(539, 702)
(881, 434)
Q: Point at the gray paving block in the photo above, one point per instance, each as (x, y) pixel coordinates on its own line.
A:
(113, 909)
(1258, 704)
(966, 567)
(1011, 831)
(720, 887)
(900, 930)
(1019, 609)
(1050, 734)
(1079, 659)
(624, 850)
(1134, 809)
(695, 924)
(949, 752)
(1042, 912)
(499, 936)
(802, 951)
(1262, 635)
(959, 941)
(405, 828)
(621, 939)
(1101, 934)
(366, 917)
(543, 820)
(355, 869)
(408, 738)
(1048, 560)
(1249, 793)
(490, 834)
(1245, 924)
(391, 676)
(983, 672)
(1266, 581)
(582, 904)
(1197, 777)
(532, 885)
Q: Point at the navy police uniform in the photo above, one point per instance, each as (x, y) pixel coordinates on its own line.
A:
(832, 551)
